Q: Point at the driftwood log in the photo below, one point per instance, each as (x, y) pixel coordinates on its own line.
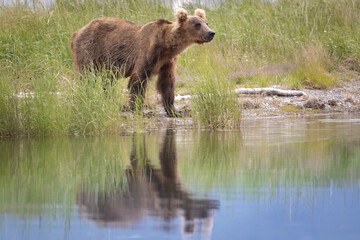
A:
(270, 92)
(265, 91)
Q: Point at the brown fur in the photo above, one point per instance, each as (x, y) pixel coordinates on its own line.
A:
(140, 51)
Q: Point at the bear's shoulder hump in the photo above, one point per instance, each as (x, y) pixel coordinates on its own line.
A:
(162, 21)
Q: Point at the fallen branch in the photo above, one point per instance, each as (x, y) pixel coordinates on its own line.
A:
(270, 92)
(267, 91)
(184, 97)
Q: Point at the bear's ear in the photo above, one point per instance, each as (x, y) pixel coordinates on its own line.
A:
(200, 13)
(181, 15)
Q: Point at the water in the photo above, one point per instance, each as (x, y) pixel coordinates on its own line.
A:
(276, 179)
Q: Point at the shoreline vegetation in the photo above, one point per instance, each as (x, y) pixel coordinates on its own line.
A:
(295, 44)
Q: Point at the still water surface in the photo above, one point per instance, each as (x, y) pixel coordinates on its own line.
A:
(274, 179)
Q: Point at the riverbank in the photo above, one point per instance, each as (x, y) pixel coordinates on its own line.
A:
(342, 99)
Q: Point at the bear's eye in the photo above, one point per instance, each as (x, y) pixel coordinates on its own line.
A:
(197, 26)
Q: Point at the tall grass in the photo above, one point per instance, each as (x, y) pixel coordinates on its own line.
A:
(214, 103)
(91, 109)
(35, 55)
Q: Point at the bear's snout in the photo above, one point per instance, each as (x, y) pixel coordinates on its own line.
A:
(210, 36)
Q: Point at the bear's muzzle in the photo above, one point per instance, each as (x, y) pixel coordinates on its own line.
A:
(210, 36)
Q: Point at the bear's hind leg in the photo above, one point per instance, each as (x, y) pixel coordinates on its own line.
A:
(137, 88)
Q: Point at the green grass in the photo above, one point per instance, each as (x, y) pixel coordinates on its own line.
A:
(214, 104)
(35, 56)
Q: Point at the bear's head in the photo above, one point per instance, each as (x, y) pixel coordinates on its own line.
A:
(195, 28)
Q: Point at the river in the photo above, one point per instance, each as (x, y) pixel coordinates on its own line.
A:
(277, 178)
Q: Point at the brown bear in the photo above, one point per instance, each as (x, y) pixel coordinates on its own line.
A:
(140, 51)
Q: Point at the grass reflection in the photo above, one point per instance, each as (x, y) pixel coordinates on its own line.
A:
(113, 181)
(240, 160)
(38, 175)
(167, 173)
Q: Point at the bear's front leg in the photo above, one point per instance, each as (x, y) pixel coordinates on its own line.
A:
(137, 89)
(166, 87)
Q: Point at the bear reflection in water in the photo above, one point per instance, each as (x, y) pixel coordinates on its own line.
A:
(151, 191)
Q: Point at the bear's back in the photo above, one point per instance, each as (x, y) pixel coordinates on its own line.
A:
(111, 25)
